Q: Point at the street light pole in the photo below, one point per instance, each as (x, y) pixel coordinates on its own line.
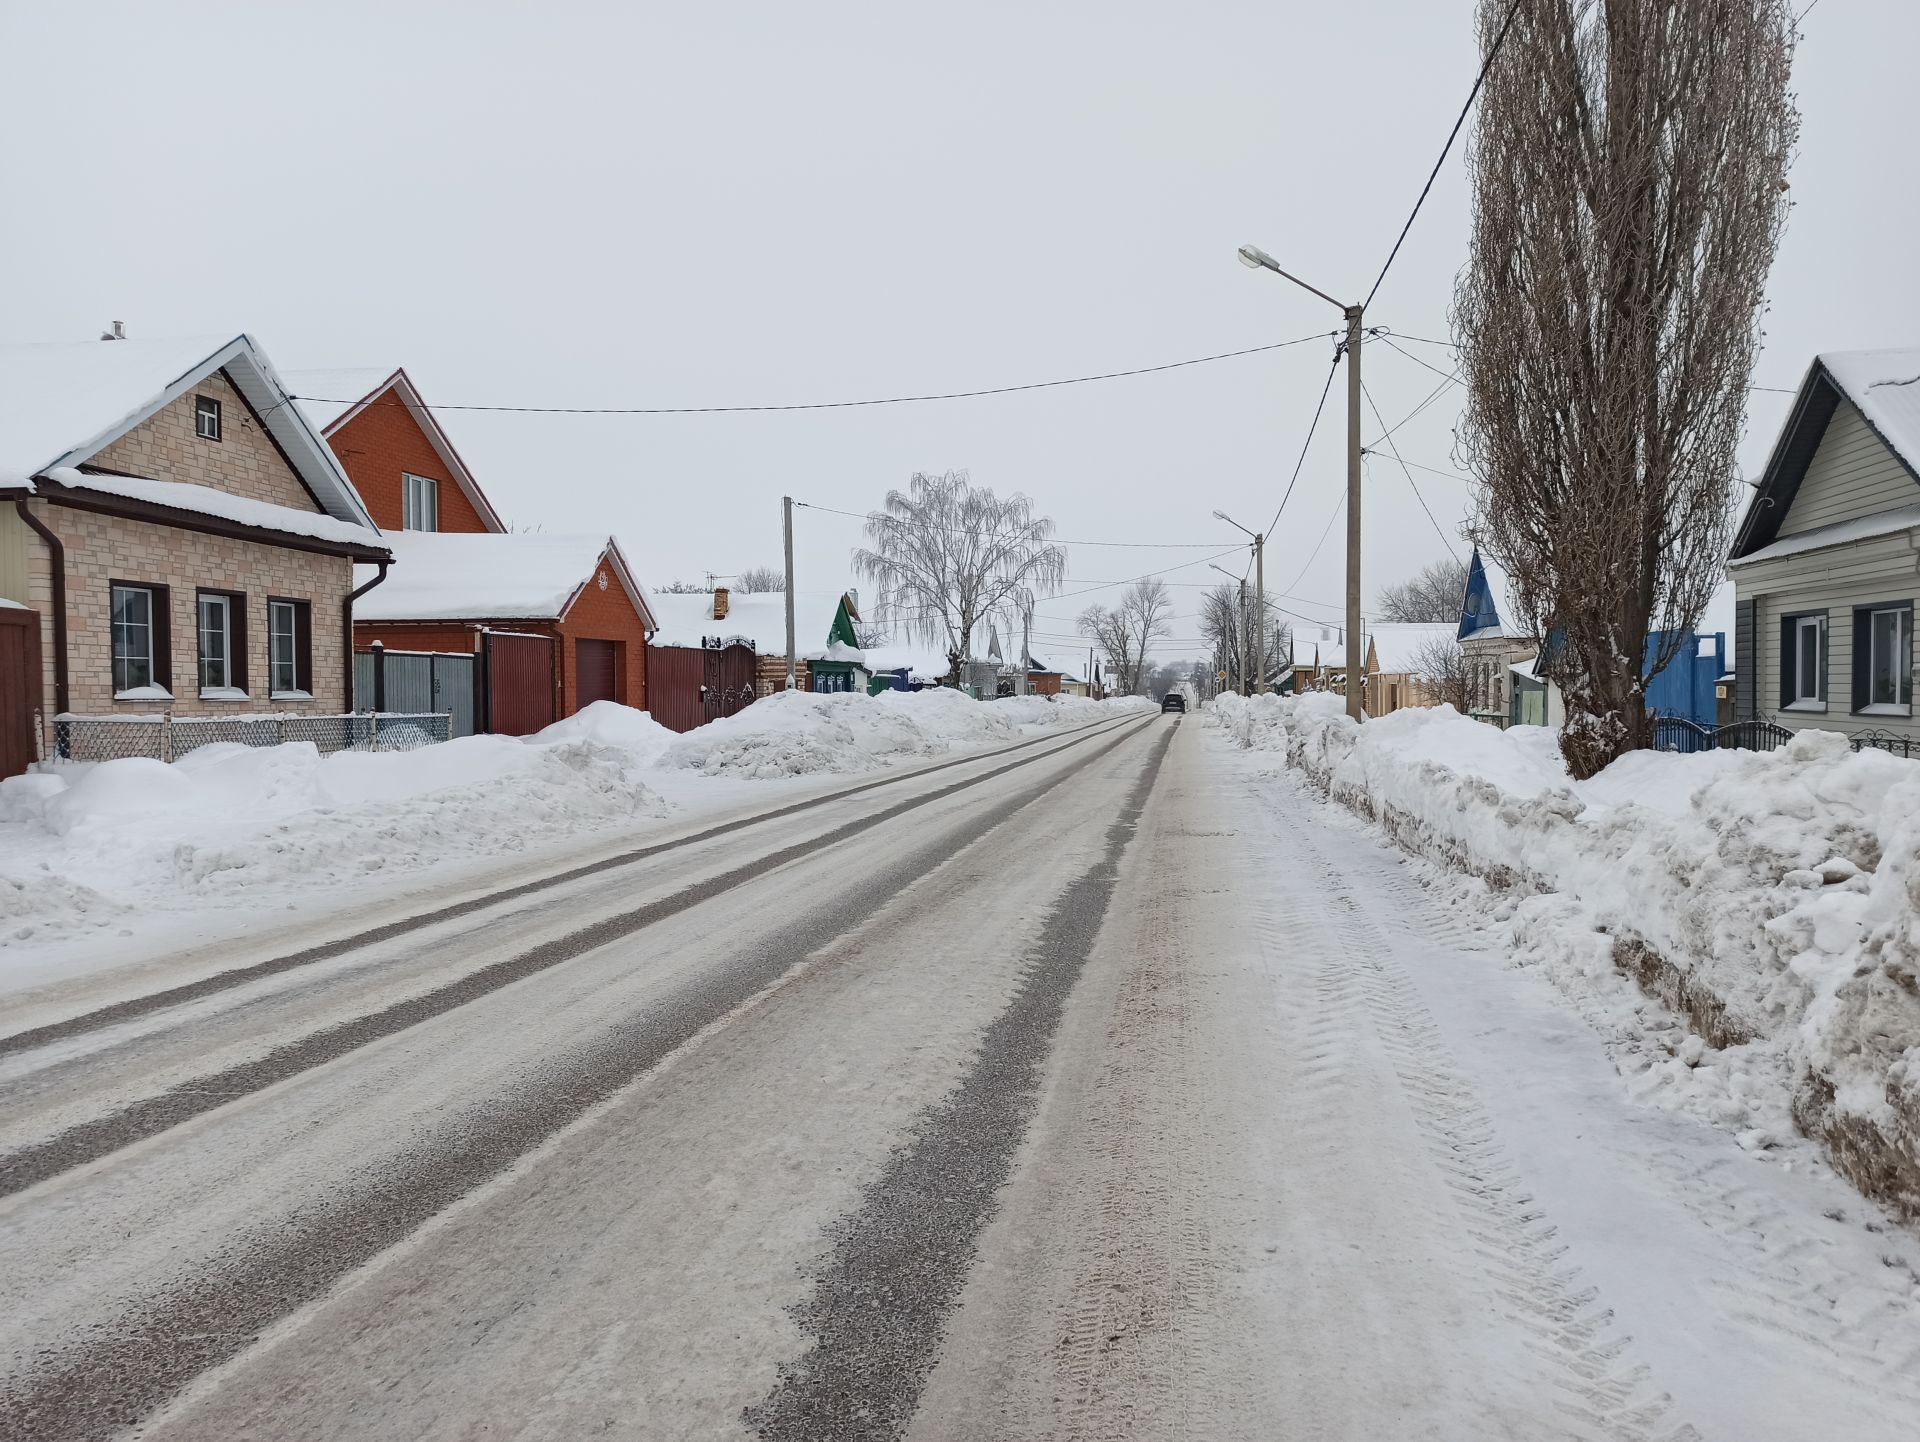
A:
(1246, 686)
(1251, 255)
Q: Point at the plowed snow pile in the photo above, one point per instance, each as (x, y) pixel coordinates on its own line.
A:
(1772, 897)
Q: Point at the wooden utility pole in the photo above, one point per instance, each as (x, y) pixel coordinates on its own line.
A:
(1356, 643)
(1246, 645)
(793, 663)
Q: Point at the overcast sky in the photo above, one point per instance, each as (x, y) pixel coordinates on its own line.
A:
(652, 204)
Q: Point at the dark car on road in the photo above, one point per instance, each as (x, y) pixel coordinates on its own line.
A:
(1174, 701)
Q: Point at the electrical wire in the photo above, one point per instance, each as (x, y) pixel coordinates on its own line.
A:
(1444, 539)
(1479, 80)
(1312, 426)
(837, 405)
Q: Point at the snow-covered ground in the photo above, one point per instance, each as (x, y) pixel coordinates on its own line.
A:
(100, 862)
(1770, 902)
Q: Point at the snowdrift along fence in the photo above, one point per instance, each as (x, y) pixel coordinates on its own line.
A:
(167, 738)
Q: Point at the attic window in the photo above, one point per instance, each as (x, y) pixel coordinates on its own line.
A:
(206, 418)
(419, 503)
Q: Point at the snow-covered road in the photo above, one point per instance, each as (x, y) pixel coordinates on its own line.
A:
(1111, 1087)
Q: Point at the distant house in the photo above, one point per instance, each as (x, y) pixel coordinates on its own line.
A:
(1393, 654)
(711, 645)
(184, 536)
(568, 608)
(1502, 686)
(1823, 563)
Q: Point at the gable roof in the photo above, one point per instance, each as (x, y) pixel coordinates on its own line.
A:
(63, 403)
(394, 387)
(449, 576)
(1883, 384)
(1400, 647)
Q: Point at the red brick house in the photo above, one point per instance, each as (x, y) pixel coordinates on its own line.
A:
(467, 577)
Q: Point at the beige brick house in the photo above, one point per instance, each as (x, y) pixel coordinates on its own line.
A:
(185, 537)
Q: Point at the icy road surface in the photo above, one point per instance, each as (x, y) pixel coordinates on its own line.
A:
(1108, 1086)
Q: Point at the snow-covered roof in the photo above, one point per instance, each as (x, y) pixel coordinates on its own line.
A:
(1398, 645)
(447, 576)
(1885, 384)
(386, 387)
(62, 403)
(1838, 533)
(206, 501)
(921, 659)
(759, 617)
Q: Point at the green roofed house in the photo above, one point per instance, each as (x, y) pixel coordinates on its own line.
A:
(843, 665)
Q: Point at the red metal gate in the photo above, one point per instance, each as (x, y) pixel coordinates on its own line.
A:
(689, 686)
(20, 689)
(595, 673)
(520, 682)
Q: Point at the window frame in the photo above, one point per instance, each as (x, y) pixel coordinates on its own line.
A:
(206, 408)
(409, 506)
(1794, 695)
(159, 654)
(302, 637)
(234, 688)
(1864, 703)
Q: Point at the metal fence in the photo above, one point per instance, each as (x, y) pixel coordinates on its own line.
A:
(168, 738)
(1673, 733)
(420, 682)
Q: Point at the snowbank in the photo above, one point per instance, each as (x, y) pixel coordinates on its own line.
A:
(1771, 897)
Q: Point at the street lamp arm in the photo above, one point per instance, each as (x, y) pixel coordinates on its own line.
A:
(1223, 516)
(1258, 259)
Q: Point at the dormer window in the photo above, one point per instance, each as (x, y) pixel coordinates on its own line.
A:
(206, 418)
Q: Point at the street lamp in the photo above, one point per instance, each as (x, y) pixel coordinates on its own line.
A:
(1260, 599)
(1246, 688)
(1258, 259)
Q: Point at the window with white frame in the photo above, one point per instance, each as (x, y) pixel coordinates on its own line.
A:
(206, 418)
(419, 503)
(288, 648)
(216, 642)
(1883, 669)
(133, 637)
(1803, 662)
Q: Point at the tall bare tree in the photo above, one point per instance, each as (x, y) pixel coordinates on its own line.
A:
(945, 554)
(1223, 619)
(1433, 593)
(1629, 181)
(1444, 674)
(1125, 633)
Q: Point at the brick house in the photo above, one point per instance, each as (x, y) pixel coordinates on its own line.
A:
(448, 591)
(185, 536)
(828, 653)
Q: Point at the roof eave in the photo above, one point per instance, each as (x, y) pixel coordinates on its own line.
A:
(436, 435)
(154, 513)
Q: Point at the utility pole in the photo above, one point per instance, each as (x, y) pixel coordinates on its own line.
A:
(1026, 638)
(793, 663)
(1356, 643)
(1246, 670)
(1260, 616)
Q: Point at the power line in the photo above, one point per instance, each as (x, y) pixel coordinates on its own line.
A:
(1444, 539)
(833, 405)
(1312, 426)
(1432, 396)
(1387, 340)
(1472, 95)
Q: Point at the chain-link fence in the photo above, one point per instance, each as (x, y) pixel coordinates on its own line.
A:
(168, 738)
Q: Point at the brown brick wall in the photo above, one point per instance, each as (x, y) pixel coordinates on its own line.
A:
(385, 440)
(770, 675)
(457, 639)
(604, 613)
(101, 549)
(243, 462)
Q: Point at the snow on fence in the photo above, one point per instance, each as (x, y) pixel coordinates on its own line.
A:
(1771, 897)
(167, 738)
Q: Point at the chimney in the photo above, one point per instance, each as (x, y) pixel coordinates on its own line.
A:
(719, 603)
(119, 331)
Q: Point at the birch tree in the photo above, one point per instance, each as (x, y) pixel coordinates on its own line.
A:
(945, 554)
(1629, 186)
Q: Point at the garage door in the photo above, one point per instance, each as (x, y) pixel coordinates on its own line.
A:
(594, 667)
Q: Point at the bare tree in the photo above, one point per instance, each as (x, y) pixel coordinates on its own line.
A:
(756, 580)
(683, 588)
(1629, 179)
(1127, 631)
(1443, 673)
(1433, 593)
(946, 554)
(1222, 620)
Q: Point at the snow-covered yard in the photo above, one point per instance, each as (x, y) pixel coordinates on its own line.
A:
(105, 855)
(1767, 905)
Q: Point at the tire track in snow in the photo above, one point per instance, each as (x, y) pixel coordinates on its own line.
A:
(1569, 1326)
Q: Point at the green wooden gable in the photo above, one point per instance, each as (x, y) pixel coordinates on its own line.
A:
(842, 629)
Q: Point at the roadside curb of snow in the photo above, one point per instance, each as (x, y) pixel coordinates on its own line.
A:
(1867, 1126)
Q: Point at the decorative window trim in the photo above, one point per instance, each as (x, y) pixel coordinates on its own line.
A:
(206, 417)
